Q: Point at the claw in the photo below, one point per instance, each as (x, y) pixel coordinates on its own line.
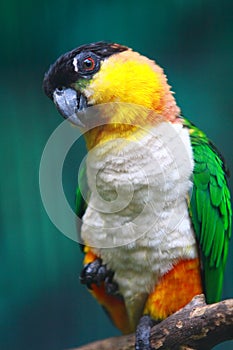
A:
(95, 272)
(143, 333)
(111, 287)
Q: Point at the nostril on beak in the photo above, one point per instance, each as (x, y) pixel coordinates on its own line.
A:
(59, 90)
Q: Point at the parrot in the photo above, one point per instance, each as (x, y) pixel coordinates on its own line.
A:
(156, 219)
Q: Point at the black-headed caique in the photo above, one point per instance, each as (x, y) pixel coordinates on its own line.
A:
(148, 256)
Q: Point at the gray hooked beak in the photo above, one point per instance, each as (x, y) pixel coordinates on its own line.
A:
(71, 104)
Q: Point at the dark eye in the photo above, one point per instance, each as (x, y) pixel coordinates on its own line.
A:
(88, 64)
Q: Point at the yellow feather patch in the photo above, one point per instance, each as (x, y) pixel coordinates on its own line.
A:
(131, 89)
(128, 77)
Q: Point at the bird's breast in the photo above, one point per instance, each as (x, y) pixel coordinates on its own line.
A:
(137, 218)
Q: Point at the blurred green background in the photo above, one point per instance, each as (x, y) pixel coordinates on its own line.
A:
(42, 304)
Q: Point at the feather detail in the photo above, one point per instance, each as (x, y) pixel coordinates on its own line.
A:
(210, 210)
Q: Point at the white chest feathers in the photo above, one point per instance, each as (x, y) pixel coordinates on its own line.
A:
(137, 218)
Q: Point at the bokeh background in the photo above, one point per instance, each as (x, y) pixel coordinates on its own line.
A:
(42, 304)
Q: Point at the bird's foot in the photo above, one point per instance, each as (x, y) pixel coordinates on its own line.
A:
(96, 272)
(143, 333)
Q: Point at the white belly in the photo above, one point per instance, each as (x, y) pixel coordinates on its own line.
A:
(137, 218)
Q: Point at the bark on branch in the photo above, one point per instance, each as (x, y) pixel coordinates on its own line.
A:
(197, 326)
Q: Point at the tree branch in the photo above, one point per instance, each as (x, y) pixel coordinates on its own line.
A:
(197, 326)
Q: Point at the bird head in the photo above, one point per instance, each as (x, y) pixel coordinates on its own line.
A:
(106, 73)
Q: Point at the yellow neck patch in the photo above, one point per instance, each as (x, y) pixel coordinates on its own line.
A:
(126, 78)
(120, 120)
(101, 134)
(130, 78)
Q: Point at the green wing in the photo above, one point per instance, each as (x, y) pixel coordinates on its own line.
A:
(80, 203)
(210, 211)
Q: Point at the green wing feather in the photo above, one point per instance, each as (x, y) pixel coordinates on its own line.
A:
(81, 192)
(210, 211)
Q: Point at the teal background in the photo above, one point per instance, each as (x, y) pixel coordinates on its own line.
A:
(42, 304)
